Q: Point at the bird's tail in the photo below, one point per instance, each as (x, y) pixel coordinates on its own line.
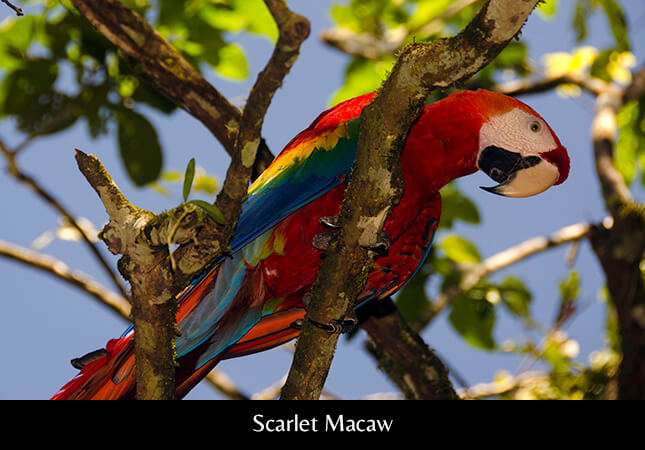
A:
(106, 374)
(110, 373)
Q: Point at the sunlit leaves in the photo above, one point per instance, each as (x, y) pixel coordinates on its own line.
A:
(362, 76)
(548, 9)
(103, 88)
(460, 250)
(608, 65)
(232, 62)
(629, 155)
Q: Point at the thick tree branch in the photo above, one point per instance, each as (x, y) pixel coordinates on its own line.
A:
(169, 70)
(403, 355)
(147, 269)
(142, 237)
(376, 180)
(621, 248)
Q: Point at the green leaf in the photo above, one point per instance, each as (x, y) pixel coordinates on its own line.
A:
(139, 147)
(455, 206)
(547, 9)
(474, 321)
(205, 183)
(629, 154)
(570, 286)
(211, 210)
(515, 296)
(232, 62)
(617, 23)
(460, 250)
(362, 76)
(412, 300)
(188, 178)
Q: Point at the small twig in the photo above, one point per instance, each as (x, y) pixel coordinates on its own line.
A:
(590, 84)
(56, 267)
(223, 383)
(14, 7)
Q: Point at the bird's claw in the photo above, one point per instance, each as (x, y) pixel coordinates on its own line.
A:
(330, 222)
(381, 247)
(321, 240)
(339, 326)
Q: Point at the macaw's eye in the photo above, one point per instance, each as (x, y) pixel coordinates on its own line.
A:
(535, 126)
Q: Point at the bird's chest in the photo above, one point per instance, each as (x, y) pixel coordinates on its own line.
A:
(292, 263)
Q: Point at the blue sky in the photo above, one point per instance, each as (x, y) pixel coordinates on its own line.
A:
(45, 323)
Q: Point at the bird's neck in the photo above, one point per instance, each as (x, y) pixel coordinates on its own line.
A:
(441, 146)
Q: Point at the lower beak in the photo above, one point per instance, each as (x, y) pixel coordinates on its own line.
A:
(517, 175)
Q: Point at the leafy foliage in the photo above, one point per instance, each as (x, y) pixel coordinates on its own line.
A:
(56, 70)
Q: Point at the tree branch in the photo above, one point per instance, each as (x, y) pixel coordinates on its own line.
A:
(403, 355)
(150, 276)
(59, 269)
(293, 30)
(169, 70)
(17, 10)
(620, 249)
(29, 181)
(142, 237)
(376, 183)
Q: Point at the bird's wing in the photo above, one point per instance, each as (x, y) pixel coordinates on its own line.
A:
(314, 162)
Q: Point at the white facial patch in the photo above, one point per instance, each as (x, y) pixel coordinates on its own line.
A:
(517, 131)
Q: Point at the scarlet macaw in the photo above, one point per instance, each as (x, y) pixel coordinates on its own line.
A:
(254, 300)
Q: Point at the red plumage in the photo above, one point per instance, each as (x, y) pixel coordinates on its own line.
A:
(442, 145)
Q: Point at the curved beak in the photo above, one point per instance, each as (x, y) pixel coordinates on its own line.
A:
(517, 175)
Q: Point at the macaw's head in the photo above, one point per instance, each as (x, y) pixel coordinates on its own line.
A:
(517, 148)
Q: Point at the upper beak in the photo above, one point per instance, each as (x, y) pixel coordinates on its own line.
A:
(517, 175)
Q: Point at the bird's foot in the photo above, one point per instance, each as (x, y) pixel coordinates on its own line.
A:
(322, 240)
(338, 326)
(381, 247)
